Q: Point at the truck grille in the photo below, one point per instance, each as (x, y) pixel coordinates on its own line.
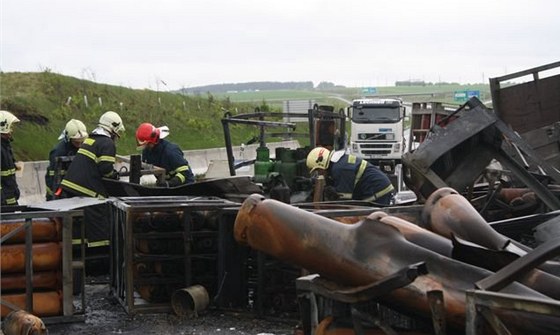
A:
(376, 152)
(376, 146)
(376, 136)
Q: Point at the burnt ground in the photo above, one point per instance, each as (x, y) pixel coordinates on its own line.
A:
(105, 315)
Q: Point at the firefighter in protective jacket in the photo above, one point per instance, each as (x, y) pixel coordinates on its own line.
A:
(164, 154)
(70, 141)
(9, 187)
(352, 177)
(94, 160)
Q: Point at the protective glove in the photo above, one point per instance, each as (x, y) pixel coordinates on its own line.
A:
(113, 175)
(330, 194)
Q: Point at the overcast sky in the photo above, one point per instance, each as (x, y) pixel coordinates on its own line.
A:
(186, 43)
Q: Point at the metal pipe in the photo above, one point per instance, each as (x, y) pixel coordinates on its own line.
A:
(448, 214)
(229, 150)
(492, 260)
(42, 230)
(359, 254)
(40, 280)
(44, 303)
(46, 256)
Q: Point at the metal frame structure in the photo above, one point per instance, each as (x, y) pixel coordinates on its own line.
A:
(260, 119)
(481, 303)
(124, 254)
(311, 288)
(68, 264)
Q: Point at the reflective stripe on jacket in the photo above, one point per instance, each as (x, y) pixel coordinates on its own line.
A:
(62, 149)
(169, 156)
(356, 179)
(8, 185)
(94, 160)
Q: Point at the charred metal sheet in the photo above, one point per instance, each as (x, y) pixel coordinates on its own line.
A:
(362, 253)
(516, 227)
(231, 187)
(456, 155)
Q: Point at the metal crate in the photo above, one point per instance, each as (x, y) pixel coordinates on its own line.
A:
(163, 243)
(68, 265)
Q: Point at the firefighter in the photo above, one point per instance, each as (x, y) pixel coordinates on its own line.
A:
(8, 184)
(350, 177)
(94, 160)
(70, 140)
(164, 154)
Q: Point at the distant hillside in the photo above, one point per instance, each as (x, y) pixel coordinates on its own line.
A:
(248, 87)
(45, 101)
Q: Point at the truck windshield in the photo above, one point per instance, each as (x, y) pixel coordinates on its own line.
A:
(376, 115)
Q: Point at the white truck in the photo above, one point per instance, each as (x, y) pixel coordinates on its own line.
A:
(377, 131)
(377, 135)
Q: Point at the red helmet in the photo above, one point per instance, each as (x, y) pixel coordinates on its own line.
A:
(147, 133)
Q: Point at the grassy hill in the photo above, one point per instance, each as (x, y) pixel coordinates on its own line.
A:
(45, 101)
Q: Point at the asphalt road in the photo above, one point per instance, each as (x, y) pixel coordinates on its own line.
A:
(104, 315)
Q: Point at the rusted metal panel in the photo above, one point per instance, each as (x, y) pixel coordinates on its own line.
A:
(530, 105)
(532, 109)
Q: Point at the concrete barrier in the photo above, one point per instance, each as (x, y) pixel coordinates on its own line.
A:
(31, 178)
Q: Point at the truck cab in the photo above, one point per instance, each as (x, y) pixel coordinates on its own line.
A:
(377, 131)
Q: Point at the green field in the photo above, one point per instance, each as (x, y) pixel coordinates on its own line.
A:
(429, 93)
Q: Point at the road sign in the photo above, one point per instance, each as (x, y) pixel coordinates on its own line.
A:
(471, 94)
(460, 96)
(369, 90)
(463, 96)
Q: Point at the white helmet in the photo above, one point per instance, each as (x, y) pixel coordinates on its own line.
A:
(112, 122)
(7, 119)
(318, 158)
(75, 130)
